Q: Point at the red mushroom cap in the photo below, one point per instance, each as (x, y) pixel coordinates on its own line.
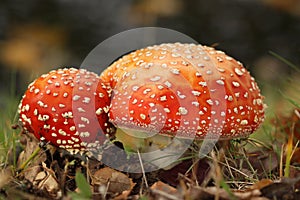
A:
(184, 89)
(68, 108)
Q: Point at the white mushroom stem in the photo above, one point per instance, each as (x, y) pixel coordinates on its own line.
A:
(134, 141)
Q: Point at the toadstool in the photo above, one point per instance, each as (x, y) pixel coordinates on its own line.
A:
(182, 90)
(68, 108)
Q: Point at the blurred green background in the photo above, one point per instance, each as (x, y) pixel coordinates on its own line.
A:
(36, 36)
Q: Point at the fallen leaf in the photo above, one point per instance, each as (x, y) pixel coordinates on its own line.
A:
(114, 181)
(31, 144)
(163, 187)
(208, 193)
(31, 173)
(261, 184)
(5, 177)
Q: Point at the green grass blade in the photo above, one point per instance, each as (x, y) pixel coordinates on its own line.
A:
(293, 66)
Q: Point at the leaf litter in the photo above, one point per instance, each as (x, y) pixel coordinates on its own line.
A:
(233, 171)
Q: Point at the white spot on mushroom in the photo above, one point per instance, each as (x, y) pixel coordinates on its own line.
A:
(61, 105)
(206, 58)
(203, 83)
(209, 72)
(182, 111)
(168, 84)
(67, 115)
(160, 87)
(220, 82)
(195, 103)
(99, 111)
(167, 110)
(238, 71)
(88, 83)
(235, 84)
(46, 126)
(81, 110)
(81, 125)
(135, 88)
(196, 93)
(101, 95)
(36, 91)
(106, 109)
(163, 98)
(143, 116)
(146, 91)
(86, 100)
(151, 104)
(155, 78)
(198, 74)
(84, 134)
(84, 119)
(40, 103)
(200, 65)
(175, 71)
(244, 122)
(210, 102)
(62, 132)
(235, 110)
(76, 97)
(181, 96)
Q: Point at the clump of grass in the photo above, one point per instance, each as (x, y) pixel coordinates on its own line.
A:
(8, 118)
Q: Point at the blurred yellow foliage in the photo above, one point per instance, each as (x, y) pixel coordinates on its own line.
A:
(147, 12)
(291, 6)
(33, 47)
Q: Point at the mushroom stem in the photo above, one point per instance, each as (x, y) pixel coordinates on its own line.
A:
(31, 157)
(134, 141)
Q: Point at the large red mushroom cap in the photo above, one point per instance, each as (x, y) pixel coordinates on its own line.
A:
(184, 89)
(68, 108)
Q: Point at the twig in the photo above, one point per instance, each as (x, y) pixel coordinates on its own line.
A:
(143, 170)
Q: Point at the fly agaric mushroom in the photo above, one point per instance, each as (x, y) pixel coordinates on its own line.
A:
(187, 90)
(68, 108)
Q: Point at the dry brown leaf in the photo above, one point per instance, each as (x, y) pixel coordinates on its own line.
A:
(30, 144)
(163, 187)
(31, 173)
(114, 181)
(5, 177)
(214, 192)
(261, 184)
(160, 190)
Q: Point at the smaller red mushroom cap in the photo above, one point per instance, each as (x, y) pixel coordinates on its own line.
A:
(68, 108)
(186, 90)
